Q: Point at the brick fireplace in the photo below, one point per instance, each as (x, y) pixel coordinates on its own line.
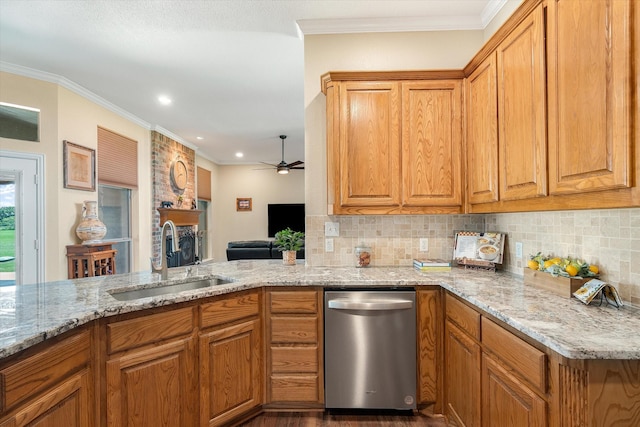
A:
(164, 151)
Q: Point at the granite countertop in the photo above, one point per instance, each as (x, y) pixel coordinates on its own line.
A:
(30, 314)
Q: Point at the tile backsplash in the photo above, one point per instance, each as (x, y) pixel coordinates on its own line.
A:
(394, 239)
(609, 238)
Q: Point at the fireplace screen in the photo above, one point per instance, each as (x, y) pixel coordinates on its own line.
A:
(187, 253)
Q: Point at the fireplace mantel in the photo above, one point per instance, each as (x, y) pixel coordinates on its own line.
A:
(180, 217)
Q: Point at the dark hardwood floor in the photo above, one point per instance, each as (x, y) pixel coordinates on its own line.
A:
(344, 419)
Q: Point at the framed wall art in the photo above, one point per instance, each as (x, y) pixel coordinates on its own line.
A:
(79, 167)
(243, 204)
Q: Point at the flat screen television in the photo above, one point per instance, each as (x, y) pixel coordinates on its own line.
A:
(283, 215)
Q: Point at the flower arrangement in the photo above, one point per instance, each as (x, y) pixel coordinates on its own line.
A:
(566, 267)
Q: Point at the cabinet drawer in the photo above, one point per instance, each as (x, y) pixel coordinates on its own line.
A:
(294, 388)
(229, 309)
(302, 302)
(529, 362)
(43, 370)
(465, 317)
(149, 329)
(294, 330)
(294, 359)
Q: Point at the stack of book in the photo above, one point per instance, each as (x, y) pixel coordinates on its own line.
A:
(432, 265)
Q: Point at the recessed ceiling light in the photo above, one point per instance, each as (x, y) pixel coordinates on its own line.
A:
(199, 138)
(164, 100)
(239, 154)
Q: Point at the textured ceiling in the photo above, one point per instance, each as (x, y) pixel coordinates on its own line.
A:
(233, 68)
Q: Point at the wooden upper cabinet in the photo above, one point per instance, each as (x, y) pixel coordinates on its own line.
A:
(369, 146)
(589, 89)
(482, 133)
(431, 143)
(394, 142)
(522, 111)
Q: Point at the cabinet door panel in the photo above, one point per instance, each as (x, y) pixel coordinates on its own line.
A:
(462, 377)
(230, 372)
(369, 147)
(521, 106)
(506, 401)
(66, 405)
(482, 133)
(156, 386)
(589, 95)
(431, 143)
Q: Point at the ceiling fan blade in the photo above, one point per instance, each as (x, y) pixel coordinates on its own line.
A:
(297, 167)
(270, 164)
(299, 162)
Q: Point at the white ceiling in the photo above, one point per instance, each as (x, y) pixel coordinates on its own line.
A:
(233, 68)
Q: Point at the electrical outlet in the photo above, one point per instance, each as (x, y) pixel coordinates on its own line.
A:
(328, 245)
(518, 249)
(332, 229)
(424, 244)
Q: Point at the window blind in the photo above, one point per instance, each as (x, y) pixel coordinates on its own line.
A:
(117, 160)
(204, 184)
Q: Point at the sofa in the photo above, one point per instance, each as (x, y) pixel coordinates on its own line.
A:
(256, 249)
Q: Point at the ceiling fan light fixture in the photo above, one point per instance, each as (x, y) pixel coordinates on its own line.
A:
(282, 170)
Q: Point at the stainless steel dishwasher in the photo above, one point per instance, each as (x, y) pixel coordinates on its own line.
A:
(370, 349)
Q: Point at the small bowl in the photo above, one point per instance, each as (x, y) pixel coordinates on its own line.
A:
(488, 252)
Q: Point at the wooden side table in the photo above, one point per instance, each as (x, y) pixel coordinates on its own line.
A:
(93, 259)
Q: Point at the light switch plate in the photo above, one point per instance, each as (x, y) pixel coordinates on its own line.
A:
(518, 249)
(424, 244)
(332, 229)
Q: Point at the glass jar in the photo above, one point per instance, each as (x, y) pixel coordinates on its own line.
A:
(363, 256)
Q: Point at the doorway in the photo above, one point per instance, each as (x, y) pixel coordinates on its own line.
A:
(21, 218)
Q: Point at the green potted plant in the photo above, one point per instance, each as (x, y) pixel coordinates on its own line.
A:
(289, 242)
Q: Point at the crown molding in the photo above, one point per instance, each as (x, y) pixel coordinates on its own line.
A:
(389, 25)
(490, 11)
(73, 87)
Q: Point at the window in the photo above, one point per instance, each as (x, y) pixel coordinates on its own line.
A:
(117, 177)
(115, 211)
(19, 122)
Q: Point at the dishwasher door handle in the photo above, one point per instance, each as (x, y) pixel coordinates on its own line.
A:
(373, 304)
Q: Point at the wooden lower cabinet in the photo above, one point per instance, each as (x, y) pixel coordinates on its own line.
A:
(507, 401)
(230, 371)
(294, 348)
(154, 386)
(462, 377)
(53, 387)
(429, 347)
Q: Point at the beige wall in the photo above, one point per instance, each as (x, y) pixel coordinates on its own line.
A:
(38, 94)
(385, 51)
(263, 186)
(66, 115)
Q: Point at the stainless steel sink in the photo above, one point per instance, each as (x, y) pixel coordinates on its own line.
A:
(167, 289)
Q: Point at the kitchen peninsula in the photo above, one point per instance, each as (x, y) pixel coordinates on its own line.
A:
(104, 349)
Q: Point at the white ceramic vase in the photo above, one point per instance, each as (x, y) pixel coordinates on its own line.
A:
(90, 229)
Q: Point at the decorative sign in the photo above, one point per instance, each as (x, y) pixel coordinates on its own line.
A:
(243, 204)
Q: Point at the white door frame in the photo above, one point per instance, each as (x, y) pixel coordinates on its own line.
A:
(39, 243)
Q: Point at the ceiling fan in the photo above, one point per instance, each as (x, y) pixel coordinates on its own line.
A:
(284, 167)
